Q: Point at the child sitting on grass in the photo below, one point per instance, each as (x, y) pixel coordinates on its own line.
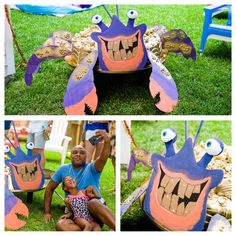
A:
(77, 203)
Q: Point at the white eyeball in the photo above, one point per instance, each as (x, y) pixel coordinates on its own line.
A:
(214, 147)
(96, 19)
(30, 145)
(132, 14)
(7, 149)
(168, 135)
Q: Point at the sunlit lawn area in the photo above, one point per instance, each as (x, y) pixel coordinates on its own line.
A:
(35, 220)
(204, 86)
(147, 135)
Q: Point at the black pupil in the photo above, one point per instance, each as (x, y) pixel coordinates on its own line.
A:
(208, 144)
(131, 12)
(96, 17)
(164, 134)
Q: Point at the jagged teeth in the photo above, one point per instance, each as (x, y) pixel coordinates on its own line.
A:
(197, 189)
(189, 191)
(189, 207)
(165, 181)
(174, 193)
(182, 188)
(174, 203)
(180, 209)
(27, 172)
(124, 43)
(171, 185)
(122, 50)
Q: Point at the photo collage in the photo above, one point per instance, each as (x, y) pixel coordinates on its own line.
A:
(118, 116)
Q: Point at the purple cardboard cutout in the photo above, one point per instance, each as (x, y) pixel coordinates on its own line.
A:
(120, 48)
(183, 168)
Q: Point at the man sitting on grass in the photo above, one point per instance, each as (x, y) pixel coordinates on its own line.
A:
(85, 175)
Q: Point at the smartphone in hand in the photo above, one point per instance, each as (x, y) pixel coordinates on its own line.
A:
(94, 140)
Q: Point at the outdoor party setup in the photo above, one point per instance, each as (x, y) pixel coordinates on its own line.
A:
(175, 196)
(117, 49)
(25, 174)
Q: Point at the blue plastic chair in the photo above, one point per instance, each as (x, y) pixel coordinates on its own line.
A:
(216, 31)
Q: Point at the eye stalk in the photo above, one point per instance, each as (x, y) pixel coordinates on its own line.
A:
(214, 147)
(97, 19)
(30, 146)
(169, 136)
(7, 149)
(132, 14)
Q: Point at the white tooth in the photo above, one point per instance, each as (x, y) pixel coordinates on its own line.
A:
(180, 209)
(129, 54)
(160, 192)
(197, 189)
(116, 46)
(110, 45)
(189, 191)
(171, 185)
(117, 56)
(130, 42)
(174, 203)
(123, 54)
(110, 53)
(135, 51)
(189, 207)
(182, 188)
(125, 43)
(165, 180)
(166, 201)
(134, 39)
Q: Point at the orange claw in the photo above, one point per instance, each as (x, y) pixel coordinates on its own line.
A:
(91, 100)
(11, 219)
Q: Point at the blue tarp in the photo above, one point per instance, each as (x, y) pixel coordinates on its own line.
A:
(55, 9)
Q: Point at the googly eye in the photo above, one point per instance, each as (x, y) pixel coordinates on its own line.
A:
(132, 14)
(214, 147)
(96, 19)
(30, 145)
(7, 149)
(168, 135)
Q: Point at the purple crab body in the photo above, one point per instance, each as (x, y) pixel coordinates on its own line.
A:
(26, 171)
(121, 48)
(179, 186)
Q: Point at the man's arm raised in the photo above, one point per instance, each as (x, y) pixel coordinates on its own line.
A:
(48, 200)
(101, 161)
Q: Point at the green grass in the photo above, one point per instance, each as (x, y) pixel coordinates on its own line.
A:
(147, 135)
(204, 85)
(35, 221)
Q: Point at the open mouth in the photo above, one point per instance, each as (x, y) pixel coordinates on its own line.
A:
(122, 48)
(177, 195)
(27, 171)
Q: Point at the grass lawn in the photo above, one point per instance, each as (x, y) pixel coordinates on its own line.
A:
(147, 135)
(35, 221)
(204, 85)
